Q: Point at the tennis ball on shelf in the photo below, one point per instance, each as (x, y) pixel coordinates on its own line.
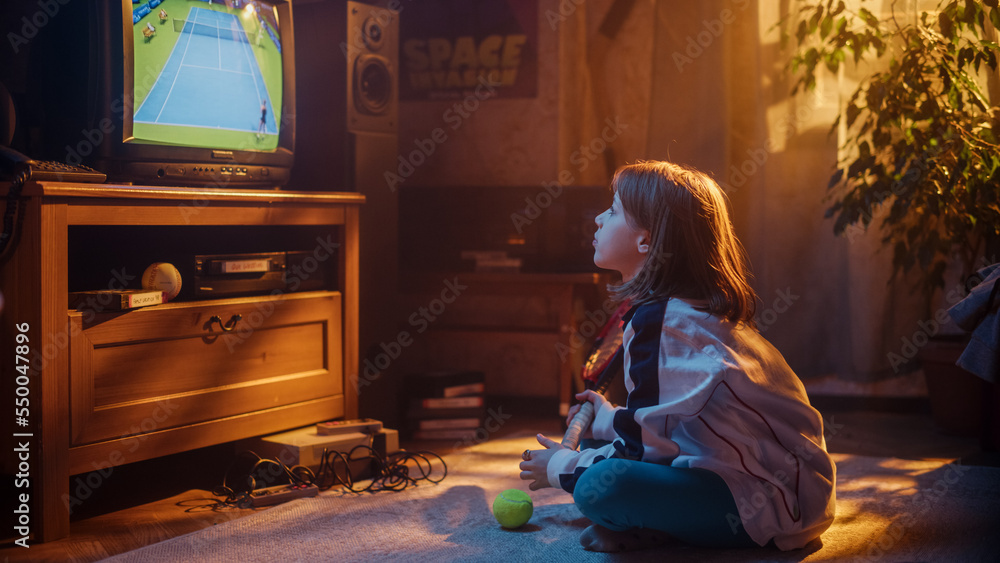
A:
(512, 508)
(164, 277)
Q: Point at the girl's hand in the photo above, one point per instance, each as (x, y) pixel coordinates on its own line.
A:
(589, 396)
(535, 469)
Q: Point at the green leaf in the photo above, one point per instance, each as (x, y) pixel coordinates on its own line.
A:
(879, 46)
(812, 57)
(859, 168)
(826, 26)
(864, 150)
(852, 113)
(841, 223)
(833, 60)
(842, 24)
(929, 108)
(970, 11)
(946, 26)
(869, 18)
(836, 124)
(881, 137)
(814, 20)
(876, 93)
(995, 17)
(990, 3)
(965, 55)
(945, 78)
(835, 179)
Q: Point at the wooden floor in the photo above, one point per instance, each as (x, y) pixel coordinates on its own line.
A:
(148, 502)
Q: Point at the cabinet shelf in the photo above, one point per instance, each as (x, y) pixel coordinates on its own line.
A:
(116, 387)
(216, 302)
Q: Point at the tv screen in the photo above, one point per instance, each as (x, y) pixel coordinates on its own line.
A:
(207, 74)
(158, 92)
(207, 93)
(164, 92)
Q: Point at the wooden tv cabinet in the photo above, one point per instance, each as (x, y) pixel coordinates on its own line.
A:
(105, 389)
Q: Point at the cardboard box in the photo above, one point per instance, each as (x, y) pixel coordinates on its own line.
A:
(304, 446)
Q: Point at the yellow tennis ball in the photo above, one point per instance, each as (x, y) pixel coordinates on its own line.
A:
(512, 508)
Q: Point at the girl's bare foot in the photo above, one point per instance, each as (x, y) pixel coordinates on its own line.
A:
(599, 538)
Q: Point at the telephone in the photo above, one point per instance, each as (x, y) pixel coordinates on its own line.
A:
(13, 163)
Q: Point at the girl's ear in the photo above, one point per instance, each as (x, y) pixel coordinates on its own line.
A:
(642, 243)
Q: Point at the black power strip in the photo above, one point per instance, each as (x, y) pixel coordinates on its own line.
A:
(281, 493)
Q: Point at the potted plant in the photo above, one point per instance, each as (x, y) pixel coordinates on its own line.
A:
(921, 131)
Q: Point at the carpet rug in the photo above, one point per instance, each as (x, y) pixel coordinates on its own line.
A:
(887, 510)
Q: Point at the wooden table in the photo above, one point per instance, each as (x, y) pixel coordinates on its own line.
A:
(102, 389)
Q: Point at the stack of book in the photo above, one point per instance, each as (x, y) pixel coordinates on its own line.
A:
(445, 405)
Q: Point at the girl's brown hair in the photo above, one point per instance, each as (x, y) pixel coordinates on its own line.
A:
(693, 250)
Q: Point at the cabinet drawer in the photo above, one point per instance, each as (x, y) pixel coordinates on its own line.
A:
(157, 368)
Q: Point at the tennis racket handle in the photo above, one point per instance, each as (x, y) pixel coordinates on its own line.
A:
(580, 422)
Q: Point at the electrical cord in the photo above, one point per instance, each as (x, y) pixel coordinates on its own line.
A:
(14, 203)
(241, 496)
(394, 472)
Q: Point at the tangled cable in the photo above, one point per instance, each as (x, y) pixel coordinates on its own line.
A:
(14, 209)
(394, 472)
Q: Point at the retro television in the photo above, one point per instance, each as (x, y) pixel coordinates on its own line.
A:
(172, 92)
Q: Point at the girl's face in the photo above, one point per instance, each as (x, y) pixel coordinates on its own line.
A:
(617, 245)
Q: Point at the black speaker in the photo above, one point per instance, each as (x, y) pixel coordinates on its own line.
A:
(372, 112)
(372, 55)
(347, 101)
(347, 107)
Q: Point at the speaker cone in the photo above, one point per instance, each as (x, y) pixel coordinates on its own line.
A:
(371, 32)
(373, 84)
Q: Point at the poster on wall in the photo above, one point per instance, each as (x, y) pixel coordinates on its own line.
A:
(449, 48)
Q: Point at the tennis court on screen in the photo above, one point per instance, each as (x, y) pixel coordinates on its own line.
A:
(211, 79)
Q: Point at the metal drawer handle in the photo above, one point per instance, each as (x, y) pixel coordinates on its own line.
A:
(231, 324)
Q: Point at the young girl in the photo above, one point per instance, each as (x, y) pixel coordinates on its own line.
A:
(717, 444)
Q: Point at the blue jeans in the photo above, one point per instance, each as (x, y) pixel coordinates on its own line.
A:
(692, 505)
